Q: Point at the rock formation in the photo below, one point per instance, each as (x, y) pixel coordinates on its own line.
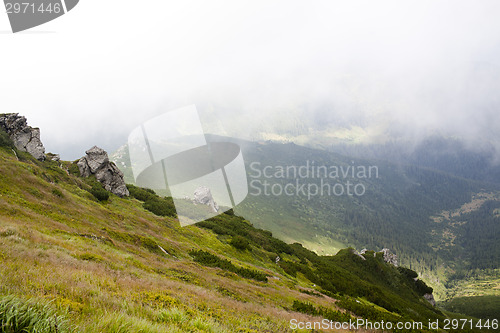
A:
(430, 299)
(360, 254)
(390, 257)
(53, 157)
(97, 163)
(203, 196)
(25, 138)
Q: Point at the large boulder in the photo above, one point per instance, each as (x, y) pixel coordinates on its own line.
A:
(96, 162)
(24, 137)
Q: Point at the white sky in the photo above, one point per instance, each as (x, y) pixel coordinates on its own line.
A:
(94, 74)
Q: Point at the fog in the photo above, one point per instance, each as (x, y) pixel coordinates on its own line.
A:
(362, 71)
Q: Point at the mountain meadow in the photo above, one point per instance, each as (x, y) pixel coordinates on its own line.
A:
(75, 258)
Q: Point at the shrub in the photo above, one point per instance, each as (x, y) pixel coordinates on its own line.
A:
(310, 292)
(90, 257)
(57, 193)
(99, 192)
(306, 308)
(240, 243)
(149, 244)
(422, 288)
(5, 140)
(329, 314)
(408, 273)
(141, 194)
(161, 206)
(210, 260)
(229, 212)
(152, 201)
(227, 224)
(73, 169)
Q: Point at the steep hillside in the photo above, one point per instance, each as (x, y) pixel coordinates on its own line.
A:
(74, 260)
(431, 219)
(440, 225)
(448, 154)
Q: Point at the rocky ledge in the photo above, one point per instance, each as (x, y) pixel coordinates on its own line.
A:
(389, 257)
(25, 138)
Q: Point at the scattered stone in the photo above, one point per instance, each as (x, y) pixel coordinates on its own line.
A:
(203, 196)
(97, 163)
(25, 138)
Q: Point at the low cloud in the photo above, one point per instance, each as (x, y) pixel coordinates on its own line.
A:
(260, 68)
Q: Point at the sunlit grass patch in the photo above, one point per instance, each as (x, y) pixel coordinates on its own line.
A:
(20, 316)
(172, 315)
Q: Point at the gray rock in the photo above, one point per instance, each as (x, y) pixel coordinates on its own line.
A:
(203, 196)
(430, 299)
(54, 157)
(390, 257)
(112, 179)
(97, 163)
(84, 167)
(359, 254)
(24, 137)
(96, 157)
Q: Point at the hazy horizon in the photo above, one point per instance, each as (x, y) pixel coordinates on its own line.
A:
(294, 70)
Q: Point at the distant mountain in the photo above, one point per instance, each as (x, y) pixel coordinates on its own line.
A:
(75, 260)
(437, 222)
(451, 155)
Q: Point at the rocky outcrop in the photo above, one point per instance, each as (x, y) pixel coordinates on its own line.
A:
(430, 299)
(203, 196)
(359, 254)
(25, 138)
(53, 157)
(390, 257)
(97, 163)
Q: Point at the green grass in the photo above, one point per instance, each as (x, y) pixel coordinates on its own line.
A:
(23, 316)
(398, 211)
(210, 260)
(484, 307)
(114, 266)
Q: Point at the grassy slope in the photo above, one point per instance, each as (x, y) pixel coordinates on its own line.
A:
(86, 257)
(398, 211)
(486, 307)
(100, 265)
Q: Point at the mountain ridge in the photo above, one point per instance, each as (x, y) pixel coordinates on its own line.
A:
(134, 271)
